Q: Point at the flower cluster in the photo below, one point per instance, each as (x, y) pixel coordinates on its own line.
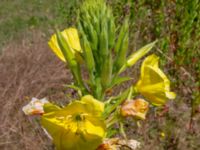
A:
(85, 124)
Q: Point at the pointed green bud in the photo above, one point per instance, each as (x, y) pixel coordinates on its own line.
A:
(88, 55)
(104, 42)
(111, 31)
(106, 74)
(140, 53)
(137, 55)
(122, 47)
(123, 31)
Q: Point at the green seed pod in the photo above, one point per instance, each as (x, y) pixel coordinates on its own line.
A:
(93, 37)
(88, 56)
(111, 31)
(123, 31)
(139, 54)
(122, 47)
(134, 57)
(106, 74)
(121, 59)
(104, 42)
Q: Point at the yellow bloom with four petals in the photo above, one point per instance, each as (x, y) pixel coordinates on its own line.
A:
(153, 83)
(71, 37)
(78, 126)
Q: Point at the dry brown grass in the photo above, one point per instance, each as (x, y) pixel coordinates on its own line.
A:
(27, 69)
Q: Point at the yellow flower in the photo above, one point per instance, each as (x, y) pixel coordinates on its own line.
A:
(71, 37)
(78, 126)
(162, 134)
(153, 83)
(135, 108)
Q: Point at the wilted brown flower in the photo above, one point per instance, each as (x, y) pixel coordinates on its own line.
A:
(119, 144)
(135, 108)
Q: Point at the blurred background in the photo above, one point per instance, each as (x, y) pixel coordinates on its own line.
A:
(28, 68)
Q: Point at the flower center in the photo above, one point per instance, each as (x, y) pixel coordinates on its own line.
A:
(78, 117)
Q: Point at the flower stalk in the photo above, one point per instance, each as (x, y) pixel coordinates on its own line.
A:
(84, 123)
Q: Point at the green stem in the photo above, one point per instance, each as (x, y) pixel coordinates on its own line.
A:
(122, 131)
(130, 93)
(119, 99)
(111, 120)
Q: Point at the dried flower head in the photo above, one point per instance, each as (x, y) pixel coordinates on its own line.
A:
(35, 106)
(135, 108)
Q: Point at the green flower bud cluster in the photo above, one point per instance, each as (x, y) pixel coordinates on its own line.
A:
(98, 35)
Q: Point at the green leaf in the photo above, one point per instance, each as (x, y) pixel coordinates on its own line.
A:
(111, 132)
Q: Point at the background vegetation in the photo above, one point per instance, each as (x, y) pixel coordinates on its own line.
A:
(25, 27)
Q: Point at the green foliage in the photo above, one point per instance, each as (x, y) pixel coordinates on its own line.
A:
(176, 24)
(105, 47)
(97, 22)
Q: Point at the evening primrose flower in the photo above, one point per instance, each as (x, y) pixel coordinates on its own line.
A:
(71, 37)
(35, 106)
(135, 108)
(153, 83)
(78, 126)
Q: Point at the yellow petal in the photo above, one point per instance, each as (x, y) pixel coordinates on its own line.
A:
(153, 83)
(151, 60)
(71, 37)
(171, 95)
(53, 43)
(95, 106)
(76, 107)
(91, 125)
